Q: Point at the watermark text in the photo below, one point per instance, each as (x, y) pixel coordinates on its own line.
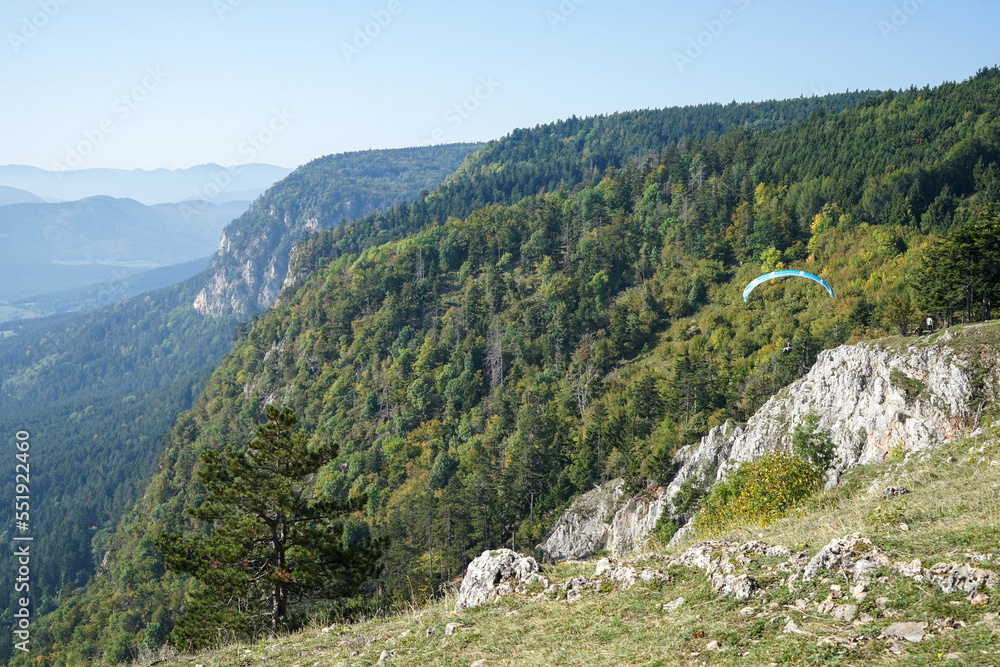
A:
(122, 107)
(22, 546)
(35, 23)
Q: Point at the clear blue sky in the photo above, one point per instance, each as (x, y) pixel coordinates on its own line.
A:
(110, 83)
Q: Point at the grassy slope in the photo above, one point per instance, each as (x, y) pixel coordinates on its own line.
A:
(953, 510)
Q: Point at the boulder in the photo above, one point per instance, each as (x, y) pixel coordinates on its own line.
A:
(911, 632)
(494, 574)
(625, 576)
(854, 554)
(740, 586)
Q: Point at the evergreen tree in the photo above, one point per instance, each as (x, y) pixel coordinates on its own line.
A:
(273, 544)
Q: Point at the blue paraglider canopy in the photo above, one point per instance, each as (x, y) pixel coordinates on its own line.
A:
(783, 274)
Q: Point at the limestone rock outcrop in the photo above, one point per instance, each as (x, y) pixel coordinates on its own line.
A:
(873, 398)
(250, 266)
(583, 528)
(495, 574)
(857, 556)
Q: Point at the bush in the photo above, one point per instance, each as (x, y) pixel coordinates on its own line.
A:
(758, 493)
(118, 649)
(665, 529)
(813, 444)
(688, 497)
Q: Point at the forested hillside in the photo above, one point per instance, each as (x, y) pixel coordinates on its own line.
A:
(563, 154)
(96, 391)
(479, 364)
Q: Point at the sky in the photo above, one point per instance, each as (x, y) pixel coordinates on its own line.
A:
(146, 85)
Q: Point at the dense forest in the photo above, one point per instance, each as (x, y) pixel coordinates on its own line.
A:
(483, 353)
(564, 154)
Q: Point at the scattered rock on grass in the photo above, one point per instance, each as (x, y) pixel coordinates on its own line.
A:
(854, 554)
(740, 586)
(911, 632)
(626, 576)
(845, 612)
(673, 606)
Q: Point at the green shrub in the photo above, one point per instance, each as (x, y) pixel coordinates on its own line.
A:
(759, 492)
(911, 387)
(813, 444)
(118, 649)
(665, 529)
(886, 514)
(688, 497)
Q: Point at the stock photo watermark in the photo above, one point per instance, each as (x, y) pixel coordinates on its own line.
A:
(122, 107)
(900, 16)
(363, 35)
(223, 7)
(114, 289)
(249, 149)
(460, 112)
(714, 29)
(562, 13)
(33, 24)
(22, 541)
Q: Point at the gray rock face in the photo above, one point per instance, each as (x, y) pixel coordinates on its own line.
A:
(873, 399)
(494, 574)
(583, 528)
(635, 520)
(247, 273)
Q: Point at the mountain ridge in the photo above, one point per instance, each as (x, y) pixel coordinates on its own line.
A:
(101, 239)
(150, 187)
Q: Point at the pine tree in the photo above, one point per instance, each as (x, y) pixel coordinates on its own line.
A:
(273, 543)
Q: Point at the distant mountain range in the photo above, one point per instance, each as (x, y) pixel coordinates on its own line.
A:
(210, 182)
(16, 196)
(101, 240)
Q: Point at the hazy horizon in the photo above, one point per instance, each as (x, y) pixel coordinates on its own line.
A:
(228, 82)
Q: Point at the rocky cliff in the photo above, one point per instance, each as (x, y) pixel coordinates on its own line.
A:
(873, 397)
(248, 270)
(252, 263)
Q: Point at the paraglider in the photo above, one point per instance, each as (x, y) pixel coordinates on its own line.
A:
(784, 274)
